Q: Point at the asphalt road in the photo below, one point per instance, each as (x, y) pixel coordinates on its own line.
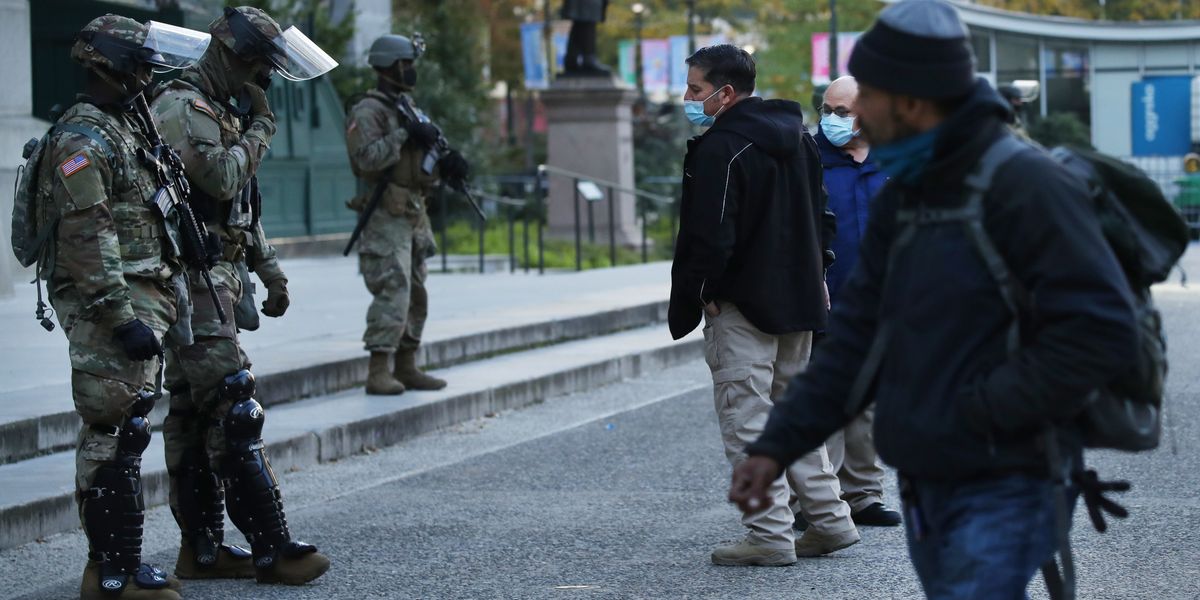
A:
(618, 493)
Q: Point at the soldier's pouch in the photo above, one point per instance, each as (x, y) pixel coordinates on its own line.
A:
(180, 333)
(396, 200)
(245, 313)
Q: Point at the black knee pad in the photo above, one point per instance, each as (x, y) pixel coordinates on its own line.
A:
(133, 439)
(238, 387)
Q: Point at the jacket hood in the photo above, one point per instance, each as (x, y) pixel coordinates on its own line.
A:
(966, 134)
(775, 126)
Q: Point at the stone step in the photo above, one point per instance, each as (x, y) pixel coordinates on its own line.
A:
(330, 366)
(330, 427)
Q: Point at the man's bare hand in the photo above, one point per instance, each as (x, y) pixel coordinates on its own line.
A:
(751, 480)
(825, 287)
(712, 310)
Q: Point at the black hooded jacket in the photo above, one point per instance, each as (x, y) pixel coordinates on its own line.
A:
(752, 229)
(950, 403)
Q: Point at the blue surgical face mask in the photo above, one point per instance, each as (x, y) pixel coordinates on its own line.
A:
(838, 130)
(694, 109)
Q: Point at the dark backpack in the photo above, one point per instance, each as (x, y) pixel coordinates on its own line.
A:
(1148, 236)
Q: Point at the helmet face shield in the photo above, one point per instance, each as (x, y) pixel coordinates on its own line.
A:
(302, 58)
(175, 47)
(293, 54)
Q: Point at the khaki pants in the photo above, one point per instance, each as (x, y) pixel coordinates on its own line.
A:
(852, 452)
(750, 371)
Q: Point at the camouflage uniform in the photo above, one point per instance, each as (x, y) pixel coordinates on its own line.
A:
(398, 238)
(221, 151)
(111, 265)
(220, 157)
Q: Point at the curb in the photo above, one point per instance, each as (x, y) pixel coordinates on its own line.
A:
(44, 434)
(28, 522)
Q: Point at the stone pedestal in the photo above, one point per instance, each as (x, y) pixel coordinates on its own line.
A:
(17, 124)
(591, 132)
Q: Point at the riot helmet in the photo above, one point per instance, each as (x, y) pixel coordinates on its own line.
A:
(123, 52)
(253, 35)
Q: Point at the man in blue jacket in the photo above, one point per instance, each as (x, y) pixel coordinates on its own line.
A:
(753, 243)
(852, 180)
(921, 326)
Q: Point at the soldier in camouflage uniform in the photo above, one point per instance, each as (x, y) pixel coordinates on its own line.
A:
(387, 150)
(213, 430)
(111, 283)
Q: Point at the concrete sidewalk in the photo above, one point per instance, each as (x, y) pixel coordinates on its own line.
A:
(323, 329)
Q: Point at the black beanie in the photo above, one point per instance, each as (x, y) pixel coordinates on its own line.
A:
(919, 48)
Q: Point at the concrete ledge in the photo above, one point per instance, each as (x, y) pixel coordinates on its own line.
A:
(27, 438)
(289, 448)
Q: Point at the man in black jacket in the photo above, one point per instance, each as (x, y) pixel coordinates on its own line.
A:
(920, 330)
(750, 257)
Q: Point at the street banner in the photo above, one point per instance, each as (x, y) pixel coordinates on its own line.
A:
(656, 72)
(533, 51)
(627, 61)
(1162, 116)
(820, 54)
(679, 68)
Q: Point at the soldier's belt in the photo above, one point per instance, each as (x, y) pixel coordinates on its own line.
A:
(141, 232)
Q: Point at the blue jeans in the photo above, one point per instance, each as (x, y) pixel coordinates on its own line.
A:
(983, 539)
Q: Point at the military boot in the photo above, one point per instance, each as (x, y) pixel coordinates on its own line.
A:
(298, 569)
(90, 588)
(217, 561)
(412, 377)
(380, 381)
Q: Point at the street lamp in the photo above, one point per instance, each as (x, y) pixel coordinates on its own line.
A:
(638, 10)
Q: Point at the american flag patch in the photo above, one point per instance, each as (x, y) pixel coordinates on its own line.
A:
(74, 165)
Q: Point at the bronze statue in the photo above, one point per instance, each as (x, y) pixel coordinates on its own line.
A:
(580, 60)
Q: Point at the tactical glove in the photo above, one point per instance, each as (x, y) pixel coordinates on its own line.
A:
(259, 107)
(278, 300)
(137, 340)
(424, 135)
(453, 167)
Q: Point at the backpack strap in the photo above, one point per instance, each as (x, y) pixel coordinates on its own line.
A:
(978, 183)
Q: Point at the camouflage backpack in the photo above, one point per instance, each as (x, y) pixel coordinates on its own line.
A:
(34, 218)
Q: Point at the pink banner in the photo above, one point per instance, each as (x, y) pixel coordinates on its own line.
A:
(820, 54)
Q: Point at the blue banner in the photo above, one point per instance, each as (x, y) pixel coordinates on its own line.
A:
(533, 51)
(679, 68)
(1162, 116)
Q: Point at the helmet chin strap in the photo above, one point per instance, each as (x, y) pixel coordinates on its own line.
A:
(392, 82)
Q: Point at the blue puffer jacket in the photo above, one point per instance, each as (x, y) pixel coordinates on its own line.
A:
(851, 186)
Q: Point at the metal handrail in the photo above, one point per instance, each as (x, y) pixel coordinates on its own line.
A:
(612, 185)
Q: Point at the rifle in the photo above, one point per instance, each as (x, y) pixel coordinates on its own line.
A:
(369, 210)
(173, 192)
(440, 149)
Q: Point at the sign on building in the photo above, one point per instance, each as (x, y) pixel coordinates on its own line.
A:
(1162, 116)
(820, 54)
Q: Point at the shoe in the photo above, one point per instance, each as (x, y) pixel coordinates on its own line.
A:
(413, 378)
(815, 543)
(159, 585)
(877, 515)
(746, 553)
(230, 562)
(800, 524)
(297, 570)
(380, 381)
